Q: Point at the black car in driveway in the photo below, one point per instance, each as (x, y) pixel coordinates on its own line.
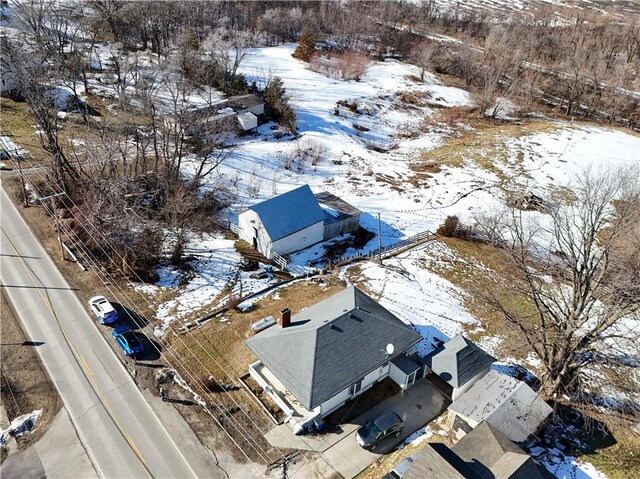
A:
(369, 435)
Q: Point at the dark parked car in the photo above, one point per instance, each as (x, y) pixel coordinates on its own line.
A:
(128, 340)
(369, 435)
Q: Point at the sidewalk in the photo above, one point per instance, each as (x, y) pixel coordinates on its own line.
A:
(58, 454)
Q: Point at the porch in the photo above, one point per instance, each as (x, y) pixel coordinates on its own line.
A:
(296, 414)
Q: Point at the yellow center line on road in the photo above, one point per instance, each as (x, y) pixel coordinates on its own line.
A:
(80, 360)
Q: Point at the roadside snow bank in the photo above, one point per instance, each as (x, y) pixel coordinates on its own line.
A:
(19, 426)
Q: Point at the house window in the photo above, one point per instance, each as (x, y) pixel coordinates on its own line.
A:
(355, 387)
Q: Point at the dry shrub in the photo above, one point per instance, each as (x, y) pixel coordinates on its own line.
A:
(453, 115)
(233, 301)
(341, 66)
(353, 65)
(453, 228)
(412, 97)
(305, 152)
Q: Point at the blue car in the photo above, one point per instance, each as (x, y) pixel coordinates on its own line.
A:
(128, 340)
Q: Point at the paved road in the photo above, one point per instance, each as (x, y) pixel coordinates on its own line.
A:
(123, 436)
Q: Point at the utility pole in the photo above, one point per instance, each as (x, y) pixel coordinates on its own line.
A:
(24, 187)
(56, 219)
(379, 240)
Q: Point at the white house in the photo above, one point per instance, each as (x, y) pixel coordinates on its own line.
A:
(296, 220)
(283, 224)
(316, 360)
(460, 363)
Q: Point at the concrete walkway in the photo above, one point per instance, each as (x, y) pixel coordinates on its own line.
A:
(59, 453)
(417, 406)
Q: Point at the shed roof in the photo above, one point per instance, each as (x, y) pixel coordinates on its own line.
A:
(289, 212)
(493, 456)
(509, 405)
(242, 102)
(458, 360)
(405, 364)
(331, 345)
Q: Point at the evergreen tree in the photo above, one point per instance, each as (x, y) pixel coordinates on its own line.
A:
(277, 106)
(306, 47)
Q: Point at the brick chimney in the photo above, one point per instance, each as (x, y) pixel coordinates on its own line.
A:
(285, 317)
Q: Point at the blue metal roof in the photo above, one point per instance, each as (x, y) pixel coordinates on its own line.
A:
(289, 212)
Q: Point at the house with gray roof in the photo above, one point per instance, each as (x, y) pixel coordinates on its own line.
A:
(294, 221)
(493, 456)
(312, 362)
(484, 453)
(460, 363)
(437, 461)
(508, 405)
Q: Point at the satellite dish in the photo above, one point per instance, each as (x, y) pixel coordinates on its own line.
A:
(390, 349)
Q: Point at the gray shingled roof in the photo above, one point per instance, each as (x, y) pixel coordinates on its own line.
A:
(437, 461)
(494, 456)
(509, 405)
(458, 360)
(289, 212)
(331, 345)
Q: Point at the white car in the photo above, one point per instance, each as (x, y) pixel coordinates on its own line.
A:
(103, 309)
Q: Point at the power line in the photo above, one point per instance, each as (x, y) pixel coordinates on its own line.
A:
(190, 371)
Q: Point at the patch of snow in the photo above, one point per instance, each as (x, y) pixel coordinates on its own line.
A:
(566, 467)
(183, 384)
(431, 304)
(19, 426)
(417, 437)
(215, 267)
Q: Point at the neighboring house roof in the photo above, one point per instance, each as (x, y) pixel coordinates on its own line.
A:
(506, 403)
(437, 461)
(289, 212)
(331, 345)
(493, 456)
(243, 102)
(458, 360)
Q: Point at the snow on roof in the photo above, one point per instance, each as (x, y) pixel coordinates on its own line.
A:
(285, 214)
(509, 405)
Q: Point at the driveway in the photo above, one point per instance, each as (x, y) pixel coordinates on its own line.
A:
(417, 407)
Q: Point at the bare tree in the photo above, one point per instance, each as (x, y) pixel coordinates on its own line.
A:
(581, 300)
(421, 54)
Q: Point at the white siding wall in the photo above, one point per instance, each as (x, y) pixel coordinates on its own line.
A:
(334, 403)
(8, 80)
(247, 121)
(339, 399)
(299, 240)
(398, 376)
(457, 392)
(247, 231)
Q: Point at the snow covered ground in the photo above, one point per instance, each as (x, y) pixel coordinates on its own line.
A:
(380, 182)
